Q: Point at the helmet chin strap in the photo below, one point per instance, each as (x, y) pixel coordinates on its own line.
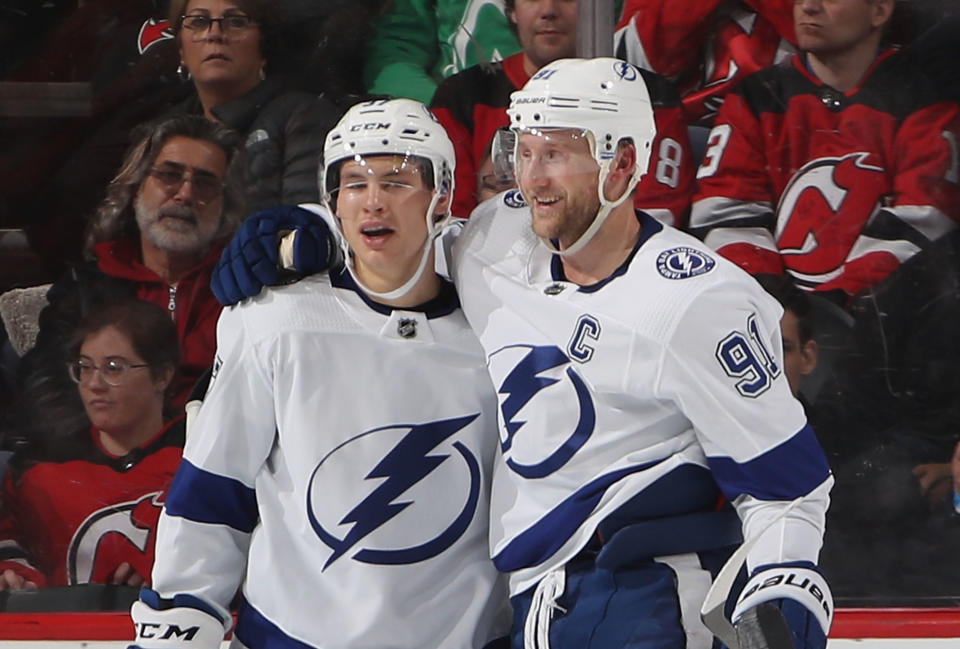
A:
(606, 207)
(433, 229)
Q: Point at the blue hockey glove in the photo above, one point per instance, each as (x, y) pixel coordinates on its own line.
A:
(251, 260)
(781, 603)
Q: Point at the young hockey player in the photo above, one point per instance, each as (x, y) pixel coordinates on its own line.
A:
(338, 470)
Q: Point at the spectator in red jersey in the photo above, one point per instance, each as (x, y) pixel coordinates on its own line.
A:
(835, 167)
(472, 105)
(706, 47)
(83, 508)
(156, 236)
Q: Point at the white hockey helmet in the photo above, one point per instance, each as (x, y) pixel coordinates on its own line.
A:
(390, 127)
(605, 98)
(397, 127)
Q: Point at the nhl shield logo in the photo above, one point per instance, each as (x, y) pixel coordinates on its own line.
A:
(407, 328)
(683, 262)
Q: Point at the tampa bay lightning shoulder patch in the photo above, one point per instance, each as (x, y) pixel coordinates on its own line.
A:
(683, 262)
(513, 198)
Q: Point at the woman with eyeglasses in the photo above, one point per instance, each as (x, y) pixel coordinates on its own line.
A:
(83, 509)
(231, 51)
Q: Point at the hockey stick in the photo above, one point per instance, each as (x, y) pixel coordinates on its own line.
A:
(711, 611)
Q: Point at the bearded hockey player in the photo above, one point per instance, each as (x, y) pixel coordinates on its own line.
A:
(646, 425)
(338, 471)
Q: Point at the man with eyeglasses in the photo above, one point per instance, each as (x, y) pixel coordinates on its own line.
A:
(156, 236)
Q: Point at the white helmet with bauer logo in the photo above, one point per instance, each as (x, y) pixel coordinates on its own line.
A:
(605, 98)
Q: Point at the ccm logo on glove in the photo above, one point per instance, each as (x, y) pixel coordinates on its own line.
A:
(149, 630)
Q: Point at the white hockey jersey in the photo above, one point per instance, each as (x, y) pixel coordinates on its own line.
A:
(633, 399)
(340, 468)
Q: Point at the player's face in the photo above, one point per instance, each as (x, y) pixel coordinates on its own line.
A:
(558, 177)
(227, 59)
(119, 410)
(546, 29)
(826, 27)
(179, 206)
(799, 358)
(382, 202)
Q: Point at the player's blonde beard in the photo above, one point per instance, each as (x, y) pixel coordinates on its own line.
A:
(606, 205)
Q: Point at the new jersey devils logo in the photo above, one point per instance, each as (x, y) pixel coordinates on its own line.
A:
(119, 526)
(823, 210)
(414, 504)
(564, 409)
(153, 31)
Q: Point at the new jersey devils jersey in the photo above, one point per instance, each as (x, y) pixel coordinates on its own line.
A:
(74, 520)
(472, 105)
(339, 467)
(836, 189)
(636, 397)
(731, 40)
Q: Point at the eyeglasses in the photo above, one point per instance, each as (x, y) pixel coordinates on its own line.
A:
(114, 370)
(497, 183)
(206, 186)
(200, 23)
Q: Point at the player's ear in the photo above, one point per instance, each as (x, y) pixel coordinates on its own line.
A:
(443, 202)
(625, 159)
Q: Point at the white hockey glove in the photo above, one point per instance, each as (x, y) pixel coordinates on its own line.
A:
(784, 603)
(175, 628)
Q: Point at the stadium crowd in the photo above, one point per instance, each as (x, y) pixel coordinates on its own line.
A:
(813, 143)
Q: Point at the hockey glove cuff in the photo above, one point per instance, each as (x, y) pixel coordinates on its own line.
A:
(800, 594)
(180, 627)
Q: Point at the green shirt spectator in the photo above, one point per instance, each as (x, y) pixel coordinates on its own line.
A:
(417, 43)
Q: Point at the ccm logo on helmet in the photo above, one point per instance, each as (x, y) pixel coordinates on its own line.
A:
(370, 126)
(166, 631)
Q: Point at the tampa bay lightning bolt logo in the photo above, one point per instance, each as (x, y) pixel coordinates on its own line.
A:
(513, 198)
(433, 517)
(625, 71)
(544, 375)
(683, 262)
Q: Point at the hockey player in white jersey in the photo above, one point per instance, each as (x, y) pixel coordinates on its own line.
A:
(338, 471)
(646, 425)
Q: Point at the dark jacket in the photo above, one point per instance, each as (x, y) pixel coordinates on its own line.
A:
(283, 133)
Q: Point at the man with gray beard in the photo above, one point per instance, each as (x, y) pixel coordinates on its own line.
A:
(156, 236)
